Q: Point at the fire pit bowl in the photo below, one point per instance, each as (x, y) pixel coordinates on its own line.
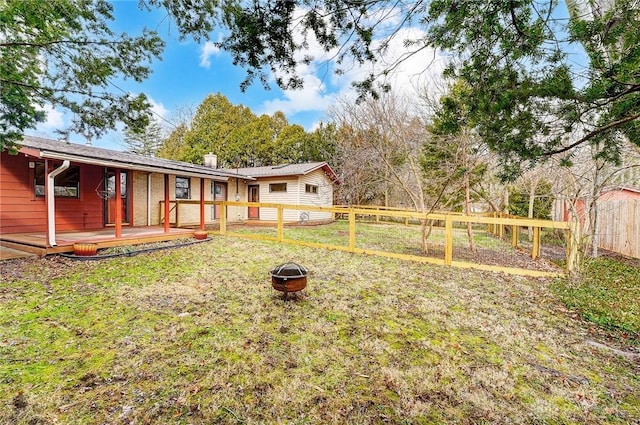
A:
(288, 277)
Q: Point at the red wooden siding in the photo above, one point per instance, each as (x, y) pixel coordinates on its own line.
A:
(21, 211)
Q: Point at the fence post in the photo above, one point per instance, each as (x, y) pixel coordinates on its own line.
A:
(448, 240)
(535, 246)
(223, 218)
(280, 223)
(494, 226)
(352, 230)
(514, 236)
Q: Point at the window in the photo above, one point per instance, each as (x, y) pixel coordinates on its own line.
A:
(311, 188)
(183, 188)
(67, 183)
(277, 187)
(219, 191)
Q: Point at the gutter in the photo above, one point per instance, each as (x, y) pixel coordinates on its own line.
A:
(51, 205)
(219, 176)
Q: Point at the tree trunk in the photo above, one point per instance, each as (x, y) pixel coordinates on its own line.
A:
(467, 196)
(532, 200)
(593, 213)
(426, 227)
(594, 229)
(505, 200)
(575, 253)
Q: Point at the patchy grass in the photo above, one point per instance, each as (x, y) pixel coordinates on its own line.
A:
(397, 238)
(606, 293)
(197, 335)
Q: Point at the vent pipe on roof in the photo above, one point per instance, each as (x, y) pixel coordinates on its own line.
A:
(211, 160)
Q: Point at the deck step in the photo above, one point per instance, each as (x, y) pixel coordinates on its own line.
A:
(28, 250)
(12, 254)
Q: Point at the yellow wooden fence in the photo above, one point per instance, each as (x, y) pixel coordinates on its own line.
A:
(494, 223)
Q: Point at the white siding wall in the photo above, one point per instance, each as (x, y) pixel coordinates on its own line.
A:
(291, 197)
(296, 195)
(324, 197)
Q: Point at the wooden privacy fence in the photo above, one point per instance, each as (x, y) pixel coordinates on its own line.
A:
(499, 242)
(618, 227)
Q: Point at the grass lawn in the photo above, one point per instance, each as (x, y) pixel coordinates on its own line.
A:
(396, 238)
(608, 293)
(196, 335)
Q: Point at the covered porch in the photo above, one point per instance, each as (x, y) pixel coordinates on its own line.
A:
(35, 243)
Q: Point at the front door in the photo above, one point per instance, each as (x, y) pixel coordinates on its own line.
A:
(254, 196)
(110, 200)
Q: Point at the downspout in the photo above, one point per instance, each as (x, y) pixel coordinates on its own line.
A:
(51, 206)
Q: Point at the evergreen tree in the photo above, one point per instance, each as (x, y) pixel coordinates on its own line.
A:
(62, 53)
(145, 142)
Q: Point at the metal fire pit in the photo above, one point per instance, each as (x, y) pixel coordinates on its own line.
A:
(288, 277)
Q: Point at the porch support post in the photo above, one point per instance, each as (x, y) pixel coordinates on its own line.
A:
(118, 204)
(51, 200)
(166, 203)
(201, 203)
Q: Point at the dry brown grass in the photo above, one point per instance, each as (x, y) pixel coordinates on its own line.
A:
(196, 335)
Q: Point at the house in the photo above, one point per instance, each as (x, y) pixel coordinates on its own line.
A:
(291, 184)
(618, 218)
(52, 188)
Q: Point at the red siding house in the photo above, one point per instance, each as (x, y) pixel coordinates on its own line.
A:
(53, 186)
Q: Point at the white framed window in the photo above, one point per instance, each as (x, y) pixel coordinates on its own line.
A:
(183, 188)
(311, 188)
(277, 187)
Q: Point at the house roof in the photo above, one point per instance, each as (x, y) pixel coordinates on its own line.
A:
(290, 170)
(85, 154)
(622, 189)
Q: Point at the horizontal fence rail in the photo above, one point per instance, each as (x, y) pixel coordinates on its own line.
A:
(492, 242)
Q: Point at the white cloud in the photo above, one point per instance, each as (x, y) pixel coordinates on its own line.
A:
(209, 49)
(158, 109)
(54, 119)
(413, 72)
(312, 97)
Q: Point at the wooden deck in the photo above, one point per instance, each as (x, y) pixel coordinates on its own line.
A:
(35, 243)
